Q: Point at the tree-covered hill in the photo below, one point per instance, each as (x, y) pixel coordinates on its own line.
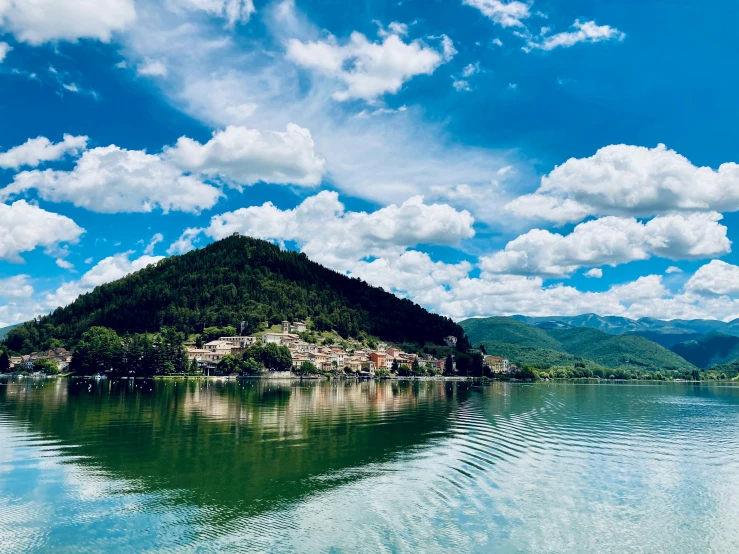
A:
(709, 350)
(617, 350)
(535, 344)
(507, 330)
(233, 280)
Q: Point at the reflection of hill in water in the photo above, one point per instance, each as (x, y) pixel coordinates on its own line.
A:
(244, 446)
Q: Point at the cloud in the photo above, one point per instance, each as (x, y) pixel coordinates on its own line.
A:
(595, 273)
(15, 287)
(233, 11)
(4, 49)
(582, 32)
(24, 227)
(372, 246)
(505, 14)
(611, 241)
(38, 150)
(673, 269)
(716, 277)
(38, 21)
(471, 69)
(156, 239)
(152, 68)
(512, 294)
(332, 236)
(369, 69)
(381, 159)
(461, 86)
(107, 270)
(64, 264)
(630, 180)
(185, 243)
(113, 180)
(245, 156)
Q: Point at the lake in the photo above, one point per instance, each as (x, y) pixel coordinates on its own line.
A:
(270, 466)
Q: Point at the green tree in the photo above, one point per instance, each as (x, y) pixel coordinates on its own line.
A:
(46, 366)
(250, 366)
(307, 368)
(449, 365)
(99, 351)
(4, 362)
(477, 368)
(395, 366)
(194, 367)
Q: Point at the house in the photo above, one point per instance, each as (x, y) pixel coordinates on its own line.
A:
(378, 359)
(497, 364)
(451, 341)
(294, 327)
(283, 339)
(197, 354)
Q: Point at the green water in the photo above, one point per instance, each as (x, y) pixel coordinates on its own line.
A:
(367, 467)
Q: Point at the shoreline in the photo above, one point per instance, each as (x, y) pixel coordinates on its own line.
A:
(299, 378)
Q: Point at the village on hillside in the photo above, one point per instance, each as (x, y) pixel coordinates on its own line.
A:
(355, 358)
(323, 354)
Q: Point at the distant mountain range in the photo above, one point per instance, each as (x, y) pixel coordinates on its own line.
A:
(609, 341)
(702, 342)
(545, 343)
(621, 325)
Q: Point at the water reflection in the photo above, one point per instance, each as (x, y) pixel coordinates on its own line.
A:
(284, 466)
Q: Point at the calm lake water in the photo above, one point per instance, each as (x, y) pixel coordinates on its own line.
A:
(367, 467)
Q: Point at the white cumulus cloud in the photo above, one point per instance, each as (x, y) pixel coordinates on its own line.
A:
(39, 21)
(109, 269)
(369, 69)
(505, 14)
(39, 150)
(245, 156)
(716, 277)
(595, 273)
(24, 227)
(611, 241)
(113, 180)
(630, 180)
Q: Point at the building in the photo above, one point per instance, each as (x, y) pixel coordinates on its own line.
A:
(283, 339)
(197, 354)
(377, 359)
(294, 327)
(497, 364)
(451, 341)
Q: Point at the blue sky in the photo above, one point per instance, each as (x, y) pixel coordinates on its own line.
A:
(481, 157)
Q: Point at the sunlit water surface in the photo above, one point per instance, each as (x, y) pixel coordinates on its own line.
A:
(367, 467)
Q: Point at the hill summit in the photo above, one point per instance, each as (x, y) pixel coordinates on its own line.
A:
(233, 280)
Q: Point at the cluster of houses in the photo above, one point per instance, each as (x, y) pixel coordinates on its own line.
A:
(325, 358)
(329, 357)
(61, 356)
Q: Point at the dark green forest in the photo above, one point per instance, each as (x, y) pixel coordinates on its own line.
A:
(233, 280)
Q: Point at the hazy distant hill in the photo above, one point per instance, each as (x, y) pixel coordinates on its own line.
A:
(237, 279)
(4, 331)
(622, 325)
(709, 350)
(591, 344)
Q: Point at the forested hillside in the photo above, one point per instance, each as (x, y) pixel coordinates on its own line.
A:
(233, 280)
(709, 350)
(537, 345)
